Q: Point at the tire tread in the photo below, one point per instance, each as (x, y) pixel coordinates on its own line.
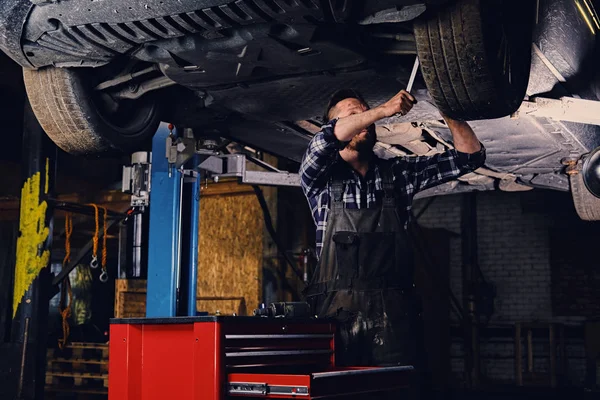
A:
(58, 110)
(586, 204)
(455, 65)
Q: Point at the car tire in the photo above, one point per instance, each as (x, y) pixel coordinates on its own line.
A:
(72, 115)
(465, 49)
(586, 204)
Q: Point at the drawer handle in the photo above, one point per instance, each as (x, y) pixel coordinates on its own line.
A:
(252, 389)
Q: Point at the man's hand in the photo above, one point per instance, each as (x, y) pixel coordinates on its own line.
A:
(401, 104)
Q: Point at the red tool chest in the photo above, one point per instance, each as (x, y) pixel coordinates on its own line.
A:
(222, 357)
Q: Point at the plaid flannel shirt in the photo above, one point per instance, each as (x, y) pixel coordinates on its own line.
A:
(322, 163)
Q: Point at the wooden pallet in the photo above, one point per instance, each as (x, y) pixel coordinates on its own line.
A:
(80, 368)
(77, 364)
(75, 394)
(81, 351)
(82, 379)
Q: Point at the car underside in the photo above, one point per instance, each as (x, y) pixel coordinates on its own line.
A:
(260, 72)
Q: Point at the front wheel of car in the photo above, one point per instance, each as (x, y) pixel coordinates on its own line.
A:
(82, 121)
(476, 56)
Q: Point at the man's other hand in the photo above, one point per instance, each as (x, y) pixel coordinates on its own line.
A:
(401, 104)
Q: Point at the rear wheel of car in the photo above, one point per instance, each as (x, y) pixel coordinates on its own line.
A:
(586, 204)
(584, 177)
(82, 121)
(476, 56)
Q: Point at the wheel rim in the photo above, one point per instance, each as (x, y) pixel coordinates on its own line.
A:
(127, 117)
(591, 172)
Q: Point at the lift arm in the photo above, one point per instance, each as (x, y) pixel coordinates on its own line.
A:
(563, 109)
(234, 165)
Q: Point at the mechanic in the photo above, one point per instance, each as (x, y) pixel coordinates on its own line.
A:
(361, 205)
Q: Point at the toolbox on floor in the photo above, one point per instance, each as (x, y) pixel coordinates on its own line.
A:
(221, 357)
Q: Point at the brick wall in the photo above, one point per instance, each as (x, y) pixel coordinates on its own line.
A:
(514, 254)
(444, 213)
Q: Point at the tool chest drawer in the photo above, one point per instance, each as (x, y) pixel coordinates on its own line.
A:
(319, 385)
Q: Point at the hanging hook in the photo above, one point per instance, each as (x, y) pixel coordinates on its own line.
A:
(94, 262)
(104, 276)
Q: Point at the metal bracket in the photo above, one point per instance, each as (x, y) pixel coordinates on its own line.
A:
(234, 165)
(181, 150)
(136, 178)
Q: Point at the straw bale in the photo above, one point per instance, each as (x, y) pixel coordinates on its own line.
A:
(130, 298)
(230, 253)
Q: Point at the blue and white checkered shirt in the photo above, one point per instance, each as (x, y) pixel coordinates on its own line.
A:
(322, 164)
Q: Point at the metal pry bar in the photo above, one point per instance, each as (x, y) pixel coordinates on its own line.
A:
(413, 75)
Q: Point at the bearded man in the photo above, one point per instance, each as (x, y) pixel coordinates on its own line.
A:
(361, 207)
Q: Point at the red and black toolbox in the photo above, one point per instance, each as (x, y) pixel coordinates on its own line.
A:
(227, 357)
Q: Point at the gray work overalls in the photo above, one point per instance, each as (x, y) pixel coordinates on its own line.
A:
(365, 280)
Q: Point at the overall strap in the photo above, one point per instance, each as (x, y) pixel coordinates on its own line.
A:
(337, 194)
(387, 181)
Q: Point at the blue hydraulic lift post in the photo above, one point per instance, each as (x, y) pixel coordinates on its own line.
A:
(164, 242)
(193, 249)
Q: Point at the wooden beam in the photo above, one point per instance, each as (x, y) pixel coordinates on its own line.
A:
(114, 200)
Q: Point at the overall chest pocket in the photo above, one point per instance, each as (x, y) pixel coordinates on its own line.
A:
(366, 255)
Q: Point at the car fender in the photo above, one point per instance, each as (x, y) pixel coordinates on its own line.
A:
(13, 14)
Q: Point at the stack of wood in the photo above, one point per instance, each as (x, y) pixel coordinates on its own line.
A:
(80, 368)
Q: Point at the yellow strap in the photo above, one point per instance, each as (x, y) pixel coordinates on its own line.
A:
(104, 230)
(97, 232)
(65, 313)
(65, 309)
(68, 232)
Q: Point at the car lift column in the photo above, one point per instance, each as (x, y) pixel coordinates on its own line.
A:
(33, 279)
(190, 232)
(164, 244)
(173, 239)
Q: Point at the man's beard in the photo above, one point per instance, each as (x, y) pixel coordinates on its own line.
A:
(364, 145)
